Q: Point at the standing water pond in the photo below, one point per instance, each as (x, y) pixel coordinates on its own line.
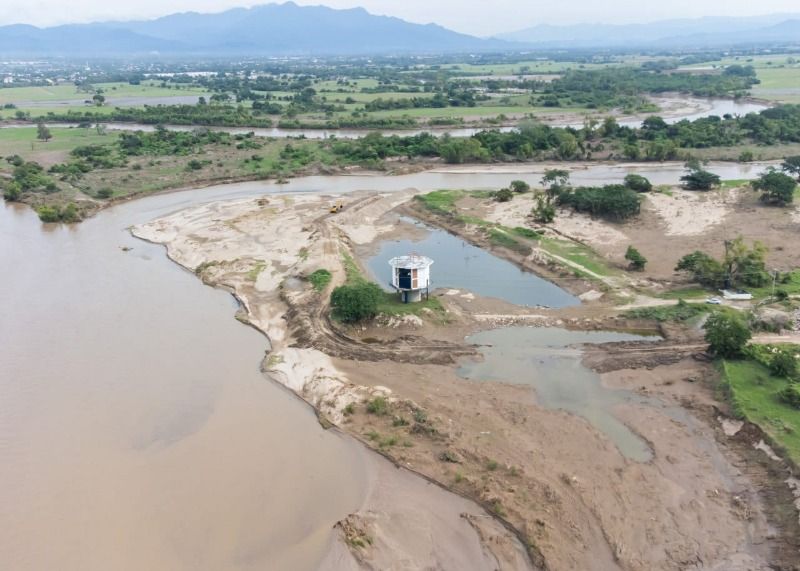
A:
(549, 360)
(459, 264)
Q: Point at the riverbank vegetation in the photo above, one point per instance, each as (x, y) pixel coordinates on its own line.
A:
(113, 165)
(765, 395)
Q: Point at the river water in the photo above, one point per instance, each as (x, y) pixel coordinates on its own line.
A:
(136, 431)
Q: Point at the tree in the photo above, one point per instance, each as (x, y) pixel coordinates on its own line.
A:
(637, 261)
(631, 151)
(638, 183)
(544, 212)
(776, 187)
(704, 269)
(520, 186)
(356, 302)
(611, 201)
(42, 132)
(783, 364)
(740, 266)
(503, 195)
(727, 334)
(98, 99)
(552, 177)
(792, 165)
(745, 265)
(555, 181)
(697, 178)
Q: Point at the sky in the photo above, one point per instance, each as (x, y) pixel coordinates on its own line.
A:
(477, 17)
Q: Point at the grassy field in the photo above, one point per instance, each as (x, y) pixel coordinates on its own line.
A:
(22, 141)
(792, 287)
(779, 84)
(71, 92)
(579, 254)
(779, 75)
(43, 111)
(534, 66)
(753, 392)
(34, 99)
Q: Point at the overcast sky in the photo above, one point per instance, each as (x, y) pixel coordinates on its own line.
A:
(479, 17)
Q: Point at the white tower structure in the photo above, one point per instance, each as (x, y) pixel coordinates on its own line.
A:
(411, 276)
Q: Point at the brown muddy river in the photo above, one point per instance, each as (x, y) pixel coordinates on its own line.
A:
(136, 431)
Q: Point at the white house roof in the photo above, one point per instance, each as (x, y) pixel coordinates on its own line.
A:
(410, 262)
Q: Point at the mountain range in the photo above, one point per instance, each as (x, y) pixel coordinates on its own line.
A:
(270, 29)
(288, 29)
(686, 33)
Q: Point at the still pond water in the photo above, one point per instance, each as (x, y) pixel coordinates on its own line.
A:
(459, 264)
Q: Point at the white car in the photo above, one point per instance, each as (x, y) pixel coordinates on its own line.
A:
(714, 301)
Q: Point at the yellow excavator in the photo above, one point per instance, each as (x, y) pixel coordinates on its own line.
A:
(337, 207)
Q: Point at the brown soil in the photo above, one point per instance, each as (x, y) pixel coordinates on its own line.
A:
(555, 481)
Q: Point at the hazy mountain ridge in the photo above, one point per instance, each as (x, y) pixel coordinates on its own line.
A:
(272, 29)
(716, 30)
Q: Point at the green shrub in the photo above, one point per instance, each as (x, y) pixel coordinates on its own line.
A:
(638, 183)
(48, 213)
(791, 395)
(503, 195)
(320, 279)
(520, 186)
(194, 165)
(612, 201)
(697, 178)
(680, 312)
(783, 364)
(357, 301)
(727, 334)
(637, 261)
(378, 406)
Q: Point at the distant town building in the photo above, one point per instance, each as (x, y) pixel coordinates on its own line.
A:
(411, 276)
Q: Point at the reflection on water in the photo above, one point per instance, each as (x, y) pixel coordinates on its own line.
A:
(547, 360)
(459, 264)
